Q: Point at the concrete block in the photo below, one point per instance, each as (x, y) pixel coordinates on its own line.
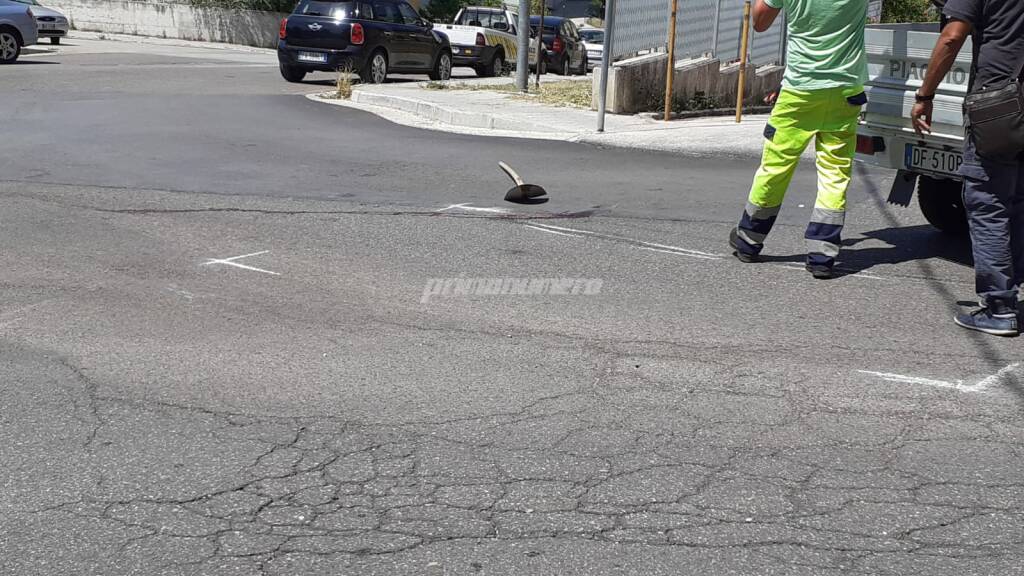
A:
(638, 84)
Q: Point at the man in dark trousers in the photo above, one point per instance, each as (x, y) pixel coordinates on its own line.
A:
(993, 189)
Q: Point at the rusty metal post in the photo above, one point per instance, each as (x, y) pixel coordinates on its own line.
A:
(671, 67)
(743, 62)
(540, 39)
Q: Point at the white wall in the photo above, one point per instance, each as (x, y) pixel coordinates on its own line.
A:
(169, 19)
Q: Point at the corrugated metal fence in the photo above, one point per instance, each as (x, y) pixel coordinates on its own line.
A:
(703, 27)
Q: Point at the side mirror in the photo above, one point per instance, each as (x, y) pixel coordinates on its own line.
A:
(427, 24)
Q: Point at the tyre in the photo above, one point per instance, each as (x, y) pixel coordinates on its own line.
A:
(495, 68)
(376, 69)
(442, 67)
(292, 74)
(584, 66)
(55, 40)
(10, 46)
(564, 69)
(942, 203)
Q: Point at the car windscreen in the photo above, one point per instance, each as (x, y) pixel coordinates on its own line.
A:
(592, 36)
(327, 9)
(548, 30)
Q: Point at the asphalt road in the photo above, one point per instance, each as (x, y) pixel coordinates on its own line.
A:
(170, 407)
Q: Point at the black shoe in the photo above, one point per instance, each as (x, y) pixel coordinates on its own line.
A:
(983, 320)
(745, 257)
(820, 271)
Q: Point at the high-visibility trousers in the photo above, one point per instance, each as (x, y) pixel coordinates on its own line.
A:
(830, 118)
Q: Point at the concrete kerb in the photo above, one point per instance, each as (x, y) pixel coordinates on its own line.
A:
(702, 137)
(430, 116)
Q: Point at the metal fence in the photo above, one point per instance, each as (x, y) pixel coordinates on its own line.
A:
(703, 28)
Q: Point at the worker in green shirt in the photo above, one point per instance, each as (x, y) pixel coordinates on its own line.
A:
(822, 95)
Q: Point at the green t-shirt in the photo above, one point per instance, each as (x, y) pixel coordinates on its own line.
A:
(825, 43)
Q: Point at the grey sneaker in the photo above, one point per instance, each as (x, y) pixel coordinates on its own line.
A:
(983, 320)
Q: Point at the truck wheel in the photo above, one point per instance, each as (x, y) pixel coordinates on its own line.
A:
(497, 66)
(942, 204)
(292, 74)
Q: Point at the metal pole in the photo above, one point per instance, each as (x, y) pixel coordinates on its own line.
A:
(743, 62)
(523, 48)
(671, 68)
(606, 59)
(718, 22)
(540, 39)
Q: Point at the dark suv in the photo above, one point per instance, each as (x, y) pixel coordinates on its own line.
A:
(371, 38)
(565, 52)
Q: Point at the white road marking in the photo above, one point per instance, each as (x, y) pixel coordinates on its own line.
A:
(469, 208)
(914, 379)
(552, 231)
(980, 387)
(997, 378)
(231, 262)
(646, 245)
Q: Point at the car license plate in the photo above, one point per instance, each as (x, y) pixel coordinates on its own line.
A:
(933, 159)
(45, 26)
(312, 57)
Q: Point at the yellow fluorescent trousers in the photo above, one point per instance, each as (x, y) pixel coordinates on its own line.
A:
(830, 118)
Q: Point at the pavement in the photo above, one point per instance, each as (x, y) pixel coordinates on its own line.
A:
(224, 351)
(485, 112)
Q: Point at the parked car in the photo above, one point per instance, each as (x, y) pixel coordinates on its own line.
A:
(484, 39)
(50, 23)
(565, 54)
(17, 29)
(372, 38)
(593, 42)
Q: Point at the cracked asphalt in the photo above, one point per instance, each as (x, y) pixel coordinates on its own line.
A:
(164, 415)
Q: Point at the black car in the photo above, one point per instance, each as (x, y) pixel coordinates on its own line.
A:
(372, 38)
(565, 52)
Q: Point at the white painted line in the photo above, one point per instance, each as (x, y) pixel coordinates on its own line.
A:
(914, 379)
(469, 208)
(686, 250)
(231, 262)
(996, 379)
(552, 231)
(983, 386)
(646, 245)
(676, 253)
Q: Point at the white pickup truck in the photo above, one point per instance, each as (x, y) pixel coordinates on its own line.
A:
(898, 57)
(484, 39)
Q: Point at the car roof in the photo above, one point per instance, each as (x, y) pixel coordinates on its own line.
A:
(548, 20)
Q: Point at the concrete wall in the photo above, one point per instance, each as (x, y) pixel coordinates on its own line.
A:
(638, 84)
(169, 19)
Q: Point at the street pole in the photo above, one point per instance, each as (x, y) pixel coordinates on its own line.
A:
(540, 39)
(606, 60)
(670, 72)
(743, 62)
(523, 50)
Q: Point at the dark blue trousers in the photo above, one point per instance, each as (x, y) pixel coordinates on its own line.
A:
(994, 198)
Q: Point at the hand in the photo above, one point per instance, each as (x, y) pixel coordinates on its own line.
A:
(922, 117)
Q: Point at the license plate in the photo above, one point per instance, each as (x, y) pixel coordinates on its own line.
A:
(932, 159)
(44, 26)
(312, 57)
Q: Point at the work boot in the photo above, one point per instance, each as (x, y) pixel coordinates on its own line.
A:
(820, 271)
(998, 320)
(737, 249)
